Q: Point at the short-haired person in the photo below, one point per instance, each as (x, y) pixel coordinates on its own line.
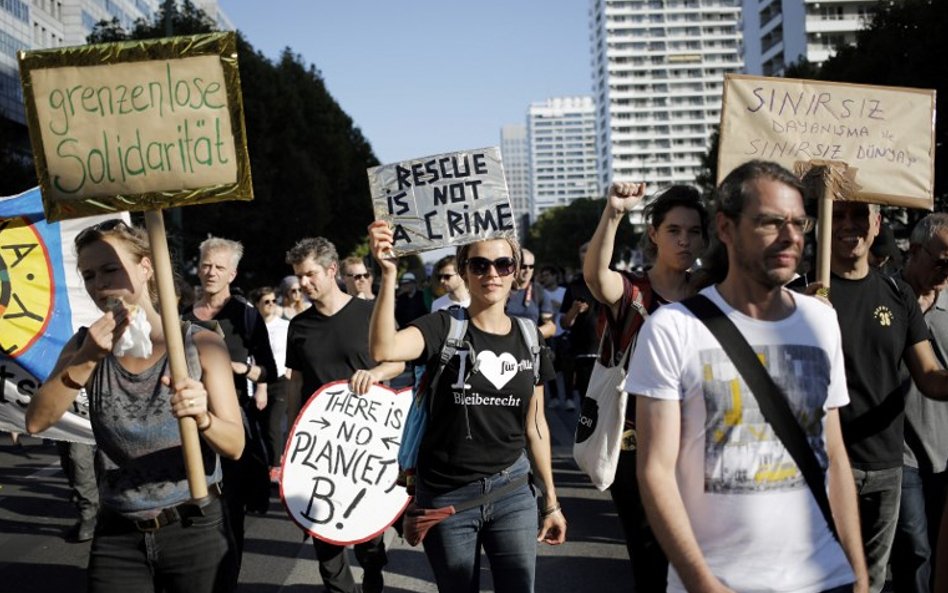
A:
(455, 291)
(482, 423)
(676, 234)
(325, 343)
(275, 414)
(882, 327)
(925, 455)
(723, 495)
(150, 536)
(245, 335)
(528, 299)
(357, 277)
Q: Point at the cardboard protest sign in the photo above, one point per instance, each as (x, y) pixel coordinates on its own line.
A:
(137, 125)
(341, 461)
(443, 200)
(885, 134)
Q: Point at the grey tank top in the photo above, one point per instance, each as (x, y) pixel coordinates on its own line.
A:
(139, 461)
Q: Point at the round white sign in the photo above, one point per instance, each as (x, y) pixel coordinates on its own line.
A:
(341, 461)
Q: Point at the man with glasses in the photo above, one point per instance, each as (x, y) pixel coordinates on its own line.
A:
(530, 300)
(882, 326)
(455, 291)
(925, 456)
(723, 495)
(357, 278)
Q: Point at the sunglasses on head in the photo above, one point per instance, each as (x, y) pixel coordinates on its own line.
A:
(358, 276)
(103, 227)
(479, 266)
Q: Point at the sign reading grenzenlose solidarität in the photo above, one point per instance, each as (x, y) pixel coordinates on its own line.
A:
(443, 200)
(341, 462)
(136, 126)
(886, 134)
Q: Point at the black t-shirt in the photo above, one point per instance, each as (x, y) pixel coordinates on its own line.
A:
(246, 337)
(879, 322)
(326, 349)
(477, 426)
(582, 334)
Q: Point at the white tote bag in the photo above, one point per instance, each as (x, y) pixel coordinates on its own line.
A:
(601, 421)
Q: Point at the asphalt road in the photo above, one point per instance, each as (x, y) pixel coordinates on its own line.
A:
(35, 510)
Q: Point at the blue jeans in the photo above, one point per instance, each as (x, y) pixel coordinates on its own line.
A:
(198, 556)
(506, 528)
(923, 498)
(878, 493)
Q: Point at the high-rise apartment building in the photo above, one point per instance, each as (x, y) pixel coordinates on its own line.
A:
(780, 32)
(515, 152)
(562, 137)
(39, 24)
(658, 70)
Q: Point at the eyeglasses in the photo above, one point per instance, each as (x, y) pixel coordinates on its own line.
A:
(359, 276)
(479, 266)
(295, 289)
(86, 234)
(526, 266)
(269, 301)
(771, 224)
(445, 277)
(937, 261)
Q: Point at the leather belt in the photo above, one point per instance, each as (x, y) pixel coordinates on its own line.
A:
(182, 512)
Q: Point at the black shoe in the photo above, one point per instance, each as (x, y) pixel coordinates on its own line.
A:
(372, 581)
(82, 531)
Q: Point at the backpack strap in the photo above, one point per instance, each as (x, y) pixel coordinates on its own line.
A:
(457, 328)
(528, 330)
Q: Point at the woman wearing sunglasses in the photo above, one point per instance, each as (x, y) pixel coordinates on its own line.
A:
(486, 415)
(149, 535)
(294, 301)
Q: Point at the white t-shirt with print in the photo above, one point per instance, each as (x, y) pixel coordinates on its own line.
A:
(756, 521)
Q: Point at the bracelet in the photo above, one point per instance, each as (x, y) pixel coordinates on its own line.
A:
(208, 425)
(69, 381)
(556, 507)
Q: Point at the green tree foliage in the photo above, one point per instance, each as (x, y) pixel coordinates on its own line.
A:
(557, 234)
(308, 159)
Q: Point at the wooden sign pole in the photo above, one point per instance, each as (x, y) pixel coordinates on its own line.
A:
(825, 236)
(171, 324)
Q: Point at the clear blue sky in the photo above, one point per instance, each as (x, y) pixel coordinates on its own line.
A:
(423, 77)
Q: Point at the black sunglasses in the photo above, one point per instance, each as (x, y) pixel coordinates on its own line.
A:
(479, 266)
(87, 234)
(269, 301)
(358, 276)
(526, 266)
(444, 277)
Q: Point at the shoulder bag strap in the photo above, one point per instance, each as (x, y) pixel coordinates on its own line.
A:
(771, 399)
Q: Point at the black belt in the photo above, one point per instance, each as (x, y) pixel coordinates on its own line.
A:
(182, 512)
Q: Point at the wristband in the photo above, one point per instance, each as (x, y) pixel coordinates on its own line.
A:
(550, 510)
(69, 381)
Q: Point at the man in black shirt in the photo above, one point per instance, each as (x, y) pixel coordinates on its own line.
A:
(881, 325)
(325, 343)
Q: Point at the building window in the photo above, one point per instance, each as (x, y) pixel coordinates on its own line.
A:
(17, 8)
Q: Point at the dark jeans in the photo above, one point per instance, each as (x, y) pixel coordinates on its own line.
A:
(193, 557)
(649, 565)
(878, 493)
(334, 566)
(78, 461)
(583, 366)
(274, 416)
(506, 528)
(923, 499)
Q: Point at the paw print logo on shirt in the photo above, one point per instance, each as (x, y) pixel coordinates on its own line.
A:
(883, 315)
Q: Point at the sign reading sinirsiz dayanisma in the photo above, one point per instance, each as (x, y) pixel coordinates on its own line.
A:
(443, 200)
(341, 462)
(137, 127)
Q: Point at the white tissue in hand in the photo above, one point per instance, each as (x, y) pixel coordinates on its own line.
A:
(136, 341)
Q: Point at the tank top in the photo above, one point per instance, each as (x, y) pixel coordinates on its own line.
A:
(139, 460)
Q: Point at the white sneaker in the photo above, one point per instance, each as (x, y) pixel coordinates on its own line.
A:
(570, 405)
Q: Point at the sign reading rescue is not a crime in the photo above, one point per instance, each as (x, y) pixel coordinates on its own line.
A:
(886, 134)
(443, 200)
(136, 126)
